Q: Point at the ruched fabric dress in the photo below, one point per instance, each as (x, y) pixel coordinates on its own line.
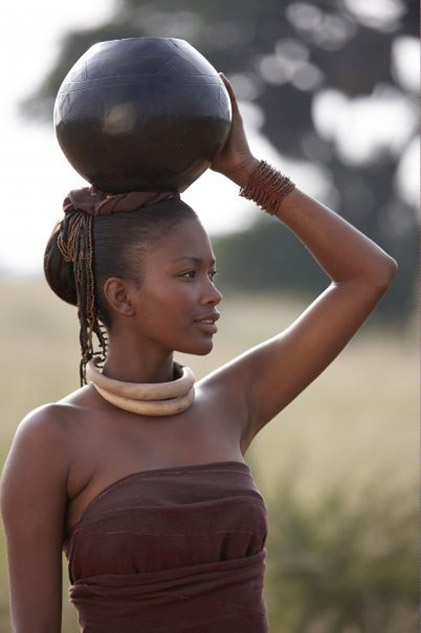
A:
(172, 550)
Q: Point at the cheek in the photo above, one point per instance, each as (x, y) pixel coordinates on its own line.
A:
(173, 301)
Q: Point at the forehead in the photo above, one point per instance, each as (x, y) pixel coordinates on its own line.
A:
(188, 239)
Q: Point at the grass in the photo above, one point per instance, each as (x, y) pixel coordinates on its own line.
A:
(346, 449)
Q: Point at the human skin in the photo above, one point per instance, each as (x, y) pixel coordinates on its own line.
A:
(65, 454)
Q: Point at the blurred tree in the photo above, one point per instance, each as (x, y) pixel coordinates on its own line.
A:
(287, 58)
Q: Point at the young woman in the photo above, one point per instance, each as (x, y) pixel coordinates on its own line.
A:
(139, 475)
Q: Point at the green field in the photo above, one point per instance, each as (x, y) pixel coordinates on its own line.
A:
(338, 468)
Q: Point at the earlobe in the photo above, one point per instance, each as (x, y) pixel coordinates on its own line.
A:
(117, 293)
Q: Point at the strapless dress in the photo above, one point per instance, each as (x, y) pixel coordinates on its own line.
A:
(172, 550)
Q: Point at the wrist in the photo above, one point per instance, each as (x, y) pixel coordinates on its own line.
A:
(242, 172)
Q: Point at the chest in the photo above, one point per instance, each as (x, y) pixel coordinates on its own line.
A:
(108, 448)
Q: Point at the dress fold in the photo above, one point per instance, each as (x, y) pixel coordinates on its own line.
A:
(178, 549)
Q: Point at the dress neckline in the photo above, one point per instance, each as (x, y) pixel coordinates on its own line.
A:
(203, 467)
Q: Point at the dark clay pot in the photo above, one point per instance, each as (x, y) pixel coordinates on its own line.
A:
(142, 114)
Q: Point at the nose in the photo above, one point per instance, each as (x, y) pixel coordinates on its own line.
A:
(211, 294)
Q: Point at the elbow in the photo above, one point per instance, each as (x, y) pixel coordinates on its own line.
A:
(390, 270)
(385, 273)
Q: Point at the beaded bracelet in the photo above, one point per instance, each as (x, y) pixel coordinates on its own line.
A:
(267, 187)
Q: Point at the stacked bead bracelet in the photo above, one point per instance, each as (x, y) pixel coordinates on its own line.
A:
(267, 187)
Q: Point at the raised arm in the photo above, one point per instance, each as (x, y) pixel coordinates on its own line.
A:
(33, 501)
(271, 375)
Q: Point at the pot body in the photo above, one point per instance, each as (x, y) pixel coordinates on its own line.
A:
(142, 114)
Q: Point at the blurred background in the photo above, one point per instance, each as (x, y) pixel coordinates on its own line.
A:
(329, 94)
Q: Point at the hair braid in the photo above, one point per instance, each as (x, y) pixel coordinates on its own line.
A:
(75, 242)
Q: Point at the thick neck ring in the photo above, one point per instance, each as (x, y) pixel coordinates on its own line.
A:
(149, 399)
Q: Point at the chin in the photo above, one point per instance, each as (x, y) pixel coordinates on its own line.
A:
(198, 349)
(204, 352)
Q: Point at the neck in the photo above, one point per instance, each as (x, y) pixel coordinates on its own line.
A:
(137, 363)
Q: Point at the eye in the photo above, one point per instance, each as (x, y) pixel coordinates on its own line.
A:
(212, 274)
(188, 274)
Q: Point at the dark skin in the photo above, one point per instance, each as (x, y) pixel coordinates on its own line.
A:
(65, 454)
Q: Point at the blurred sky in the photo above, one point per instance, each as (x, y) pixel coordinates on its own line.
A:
(35, 176)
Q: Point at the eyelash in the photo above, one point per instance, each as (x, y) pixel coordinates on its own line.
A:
(191, 274)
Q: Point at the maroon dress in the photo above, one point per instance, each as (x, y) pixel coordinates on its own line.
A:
(172, 550)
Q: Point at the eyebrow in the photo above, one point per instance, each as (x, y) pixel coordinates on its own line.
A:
(195, 260)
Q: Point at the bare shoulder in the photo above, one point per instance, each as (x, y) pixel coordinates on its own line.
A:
(40, 429)
(48, 425)
(227, 381)
(40, 451)
(224, 390)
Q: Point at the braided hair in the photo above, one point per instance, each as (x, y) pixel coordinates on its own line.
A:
(96, 240)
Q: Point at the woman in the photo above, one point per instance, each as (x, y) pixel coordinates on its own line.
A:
(151, 499)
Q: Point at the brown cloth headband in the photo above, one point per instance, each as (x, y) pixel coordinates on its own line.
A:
(94, 201)
(89, 202)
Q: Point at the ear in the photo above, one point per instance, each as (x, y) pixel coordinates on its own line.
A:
(118, 293)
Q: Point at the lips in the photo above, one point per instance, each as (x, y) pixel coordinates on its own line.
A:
(207, 322)
(211, 317)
